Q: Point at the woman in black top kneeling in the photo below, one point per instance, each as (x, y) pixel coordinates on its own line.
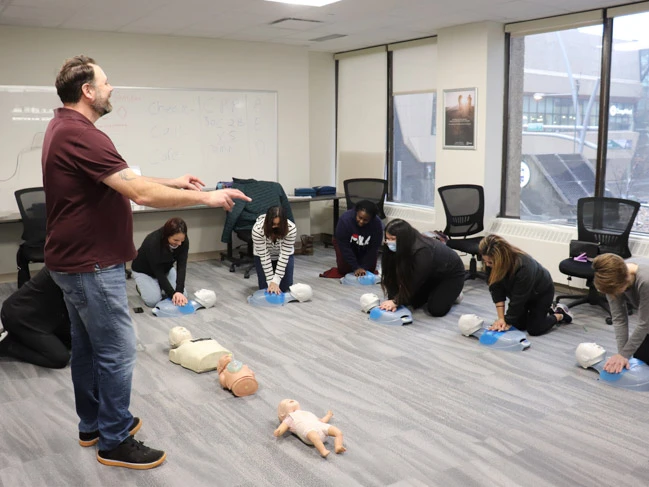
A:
(528, 285)
(153, 268)
(419, 271)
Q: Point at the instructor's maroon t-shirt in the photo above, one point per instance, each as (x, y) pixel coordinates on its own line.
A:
(88, 223)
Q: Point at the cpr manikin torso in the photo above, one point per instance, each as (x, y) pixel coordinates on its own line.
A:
(199, 355)
(370, 304)
(203, 298)
(236, 377)
(510, 340)
(368, 279)
(297, 292)
(636, 377)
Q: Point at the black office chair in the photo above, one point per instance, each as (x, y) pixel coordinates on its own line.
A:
(370, 189)
(240, 220)
(607, 222)
(31, 204)
(464, 208)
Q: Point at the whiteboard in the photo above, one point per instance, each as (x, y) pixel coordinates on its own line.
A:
(214, 135)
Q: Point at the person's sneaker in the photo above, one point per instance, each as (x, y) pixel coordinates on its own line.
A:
(460, 298)
(562, 309)
(131, 453)
(92, 438)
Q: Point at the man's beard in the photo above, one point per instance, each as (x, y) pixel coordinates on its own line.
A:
(101, 108)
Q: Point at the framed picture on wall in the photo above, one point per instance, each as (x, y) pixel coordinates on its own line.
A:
(460, 118)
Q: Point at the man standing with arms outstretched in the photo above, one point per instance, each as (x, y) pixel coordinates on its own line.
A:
(89, 238)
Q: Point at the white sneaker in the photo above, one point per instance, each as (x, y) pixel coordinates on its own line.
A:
(460, 298)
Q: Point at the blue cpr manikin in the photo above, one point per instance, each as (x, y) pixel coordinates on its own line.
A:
(264, 298)
(511, 340)
(367, 280)
(401, 316)
(635, 378)
(166, 309)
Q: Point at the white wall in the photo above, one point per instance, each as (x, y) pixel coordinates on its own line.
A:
(322, 136)
(473, 56)
(36, 55)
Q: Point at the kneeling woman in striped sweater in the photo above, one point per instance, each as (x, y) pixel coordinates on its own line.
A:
(273, 238)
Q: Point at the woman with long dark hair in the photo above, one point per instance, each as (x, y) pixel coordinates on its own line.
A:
(273, 239)
(528, 285)
(153, 268)
(419, 271)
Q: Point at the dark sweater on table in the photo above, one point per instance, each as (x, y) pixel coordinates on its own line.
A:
(522, 286)
(155, 259)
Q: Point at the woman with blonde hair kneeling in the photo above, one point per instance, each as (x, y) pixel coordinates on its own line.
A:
(528, 285)
(625, 282)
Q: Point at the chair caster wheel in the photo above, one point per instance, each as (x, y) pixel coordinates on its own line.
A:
(609, 321)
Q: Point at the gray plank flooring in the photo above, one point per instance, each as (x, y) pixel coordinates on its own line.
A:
(419, 405)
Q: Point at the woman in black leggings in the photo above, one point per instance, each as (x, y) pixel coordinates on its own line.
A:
(419, 271)
(528, 285)
(37, 323)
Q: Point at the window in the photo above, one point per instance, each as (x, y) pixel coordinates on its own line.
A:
(553, 116)
(413, 154)
(413, 123)
(627, 157)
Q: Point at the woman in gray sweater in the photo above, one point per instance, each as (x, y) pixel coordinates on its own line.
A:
(625, 282)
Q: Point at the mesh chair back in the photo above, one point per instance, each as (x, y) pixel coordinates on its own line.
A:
(31, 203)
(370, 189)
(607, 221)
(464, 208)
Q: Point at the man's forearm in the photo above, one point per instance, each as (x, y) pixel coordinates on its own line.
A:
(159, 195)
(171, 183)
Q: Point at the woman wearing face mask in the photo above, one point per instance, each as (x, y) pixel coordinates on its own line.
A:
(273, 239)
(153, 268)
(419, 271)
(528, 285)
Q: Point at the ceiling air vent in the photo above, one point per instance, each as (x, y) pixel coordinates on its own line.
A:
(291, 23)
(328, 38)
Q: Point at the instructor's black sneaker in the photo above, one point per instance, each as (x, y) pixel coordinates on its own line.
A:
(92, 438)
(131, 453)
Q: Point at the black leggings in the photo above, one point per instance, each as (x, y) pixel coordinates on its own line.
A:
(538, 318)
(43, 349)
(439, 296)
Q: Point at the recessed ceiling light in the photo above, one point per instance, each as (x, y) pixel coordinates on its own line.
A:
(310, 3)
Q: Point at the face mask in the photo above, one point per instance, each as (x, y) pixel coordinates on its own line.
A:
(173, 247)
(392, 245)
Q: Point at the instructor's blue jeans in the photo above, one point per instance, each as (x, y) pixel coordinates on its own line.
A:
(103, 351)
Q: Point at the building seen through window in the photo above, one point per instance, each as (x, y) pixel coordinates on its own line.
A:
(554, 109)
